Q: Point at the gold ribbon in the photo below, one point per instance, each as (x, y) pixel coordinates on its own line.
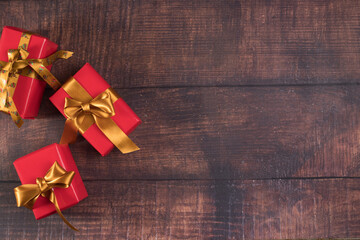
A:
(82, 111)
(17, 65)
(56, 177)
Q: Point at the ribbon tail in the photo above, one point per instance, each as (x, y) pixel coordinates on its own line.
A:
(55, 56)
(116, 135)
(70, 132)
(45, 74)
(12, 82)
(28, 72)
(3, 99)
(8, 105)
(14, 113)
(24, 67)
(52, 199)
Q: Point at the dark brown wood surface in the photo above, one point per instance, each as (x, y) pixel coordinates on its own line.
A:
(198, 209)
(251, 119)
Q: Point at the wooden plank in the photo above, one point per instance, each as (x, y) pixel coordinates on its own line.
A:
(214, 133)
(274, 209)
(200, 43)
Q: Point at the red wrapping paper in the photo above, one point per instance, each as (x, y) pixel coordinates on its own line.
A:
(94, 84)
(29, 91)
(36, 164)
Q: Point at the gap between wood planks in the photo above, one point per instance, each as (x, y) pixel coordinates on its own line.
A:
(241, 86)
(204, 180)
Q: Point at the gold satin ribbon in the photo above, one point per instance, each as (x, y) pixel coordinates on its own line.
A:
(56, 177)
(82, 111)
(17, 65)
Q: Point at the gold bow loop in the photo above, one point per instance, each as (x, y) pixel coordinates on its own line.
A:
(19, 64)
(56, 177)
(86, 114)
(8, 79)
(82, 111)
(35, 68)
(15, 56)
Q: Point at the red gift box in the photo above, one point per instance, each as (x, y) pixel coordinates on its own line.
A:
(36, 164)
(29, 91)
(94, 84)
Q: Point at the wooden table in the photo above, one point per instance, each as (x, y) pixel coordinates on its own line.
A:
(251, 119)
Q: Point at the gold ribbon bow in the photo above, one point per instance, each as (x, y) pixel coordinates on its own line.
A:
(57, 177)
(17, 65)
(83, 111)
(97, 109)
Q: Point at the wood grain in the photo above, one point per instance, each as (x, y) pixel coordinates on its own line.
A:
(250, 116)
(274, 209)
(200, 43)
(214, 133)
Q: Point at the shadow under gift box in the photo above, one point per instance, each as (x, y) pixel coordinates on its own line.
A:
(94, 84)
(36, 164)
(29, 91)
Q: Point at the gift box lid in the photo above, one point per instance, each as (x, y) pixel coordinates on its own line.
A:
(39, 47)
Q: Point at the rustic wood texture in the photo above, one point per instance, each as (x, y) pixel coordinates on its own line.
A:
(263, 209)
(189, 43)
(215, 133)
(251, 119)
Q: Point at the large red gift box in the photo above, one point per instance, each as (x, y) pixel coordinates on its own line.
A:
(29, 91)
(36, 164)
(94, 84)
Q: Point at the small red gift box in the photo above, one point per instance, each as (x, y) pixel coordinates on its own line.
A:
(36, 164)
(94, 84)
(29, 91)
